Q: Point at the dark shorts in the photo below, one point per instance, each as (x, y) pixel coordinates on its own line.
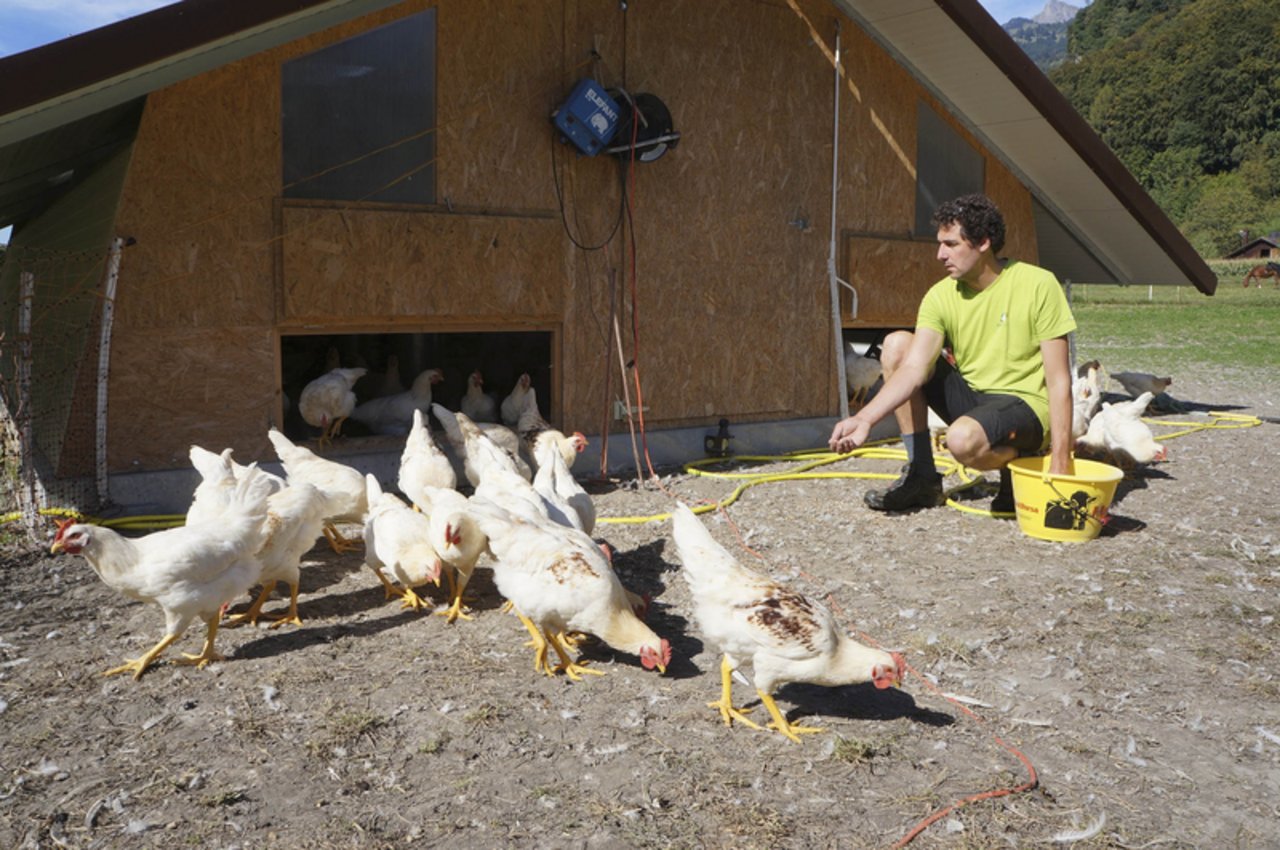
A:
(1006, 419)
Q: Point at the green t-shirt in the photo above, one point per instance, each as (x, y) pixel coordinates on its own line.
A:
(995, 334)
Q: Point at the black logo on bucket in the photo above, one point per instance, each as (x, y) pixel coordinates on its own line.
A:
(1068, 514)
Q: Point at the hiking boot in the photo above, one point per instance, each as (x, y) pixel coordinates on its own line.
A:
(1002, 503)
(913, 489)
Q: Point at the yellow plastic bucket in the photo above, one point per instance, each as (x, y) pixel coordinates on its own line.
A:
(1062, 507)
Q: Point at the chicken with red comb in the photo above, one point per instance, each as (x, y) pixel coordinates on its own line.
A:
(784, 636)
(190, 572)
(535, 431)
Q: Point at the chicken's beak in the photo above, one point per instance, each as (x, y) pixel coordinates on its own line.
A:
(436, 568)
(891, 678)
(56, 547)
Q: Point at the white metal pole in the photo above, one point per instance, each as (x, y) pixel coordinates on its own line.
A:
(837, 331)
(104, 363)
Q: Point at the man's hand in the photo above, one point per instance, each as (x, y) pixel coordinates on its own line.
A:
(848, 435)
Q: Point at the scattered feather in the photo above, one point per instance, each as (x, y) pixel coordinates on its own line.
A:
(1071, 836)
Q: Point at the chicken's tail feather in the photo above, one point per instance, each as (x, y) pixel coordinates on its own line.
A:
(704, 559)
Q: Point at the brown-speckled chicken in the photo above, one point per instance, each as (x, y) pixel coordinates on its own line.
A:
(559, 581)
(784, 636)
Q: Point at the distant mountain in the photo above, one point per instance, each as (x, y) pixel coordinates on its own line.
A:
(1056, 12)
(1044, 37)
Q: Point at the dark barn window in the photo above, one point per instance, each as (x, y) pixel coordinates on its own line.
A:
(946, 167)
(359, 117)
(395, 359)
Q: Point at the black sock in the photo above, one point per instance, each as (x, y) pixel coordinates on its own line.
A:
(919, 451)
(1006, 481)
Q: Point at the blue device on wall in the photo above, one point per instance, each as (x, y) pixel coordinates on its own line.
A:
(589, 118)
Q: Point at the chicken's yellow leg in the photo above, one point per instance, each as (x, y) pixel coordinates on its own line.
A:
(389, 589)
(539, 644)
(337, 542)
(138, 666)
(292, 615)
(255, 610)
(207, 653)
(780, 723)
(725, 703)
(409, 599)
(454, 611)
(570, 668)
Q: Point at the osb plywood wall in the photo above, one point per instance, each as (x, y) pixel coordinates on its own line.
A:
(730, 229)
(890, 276)
(363, 267)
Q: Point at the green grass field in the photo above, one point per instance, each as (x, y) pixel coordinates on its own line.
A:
(1175, 328)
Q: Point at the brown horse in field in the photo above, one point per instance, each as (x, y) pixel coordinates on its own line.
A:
(1260, 273)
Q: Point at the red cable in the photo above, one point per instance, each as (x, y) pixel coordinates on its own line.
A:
(635, 306)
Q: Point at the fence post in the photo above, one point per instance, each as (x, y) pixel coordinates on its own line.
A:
(104, 363)
(27, 492)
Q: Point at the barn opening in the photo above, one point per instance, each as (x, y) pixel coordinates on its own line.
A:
(393, 360)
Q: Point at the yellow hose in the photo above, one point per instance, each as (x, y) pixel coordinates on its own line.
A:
(809, 460)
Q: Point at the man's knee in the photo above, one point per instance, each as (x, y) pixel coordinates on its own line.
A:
(894, 349)
(966, 440)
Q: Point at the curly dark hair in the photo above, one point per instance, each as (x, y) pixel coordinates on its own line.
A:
(979, 218)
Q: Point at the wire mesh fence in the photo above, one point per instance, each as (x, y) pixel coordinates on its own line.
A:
(56, 309)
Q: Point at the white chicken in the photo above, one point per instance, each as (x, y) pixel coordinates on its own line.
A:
(294, 521)
(458, 542)
(393, 414)
(552, 503)
(533, 430)
(476, 403)
(1118, 433)
(327, 401)
(1086, 396)
(214, 494)
(559, 581)
(191, 571)
(784, 636)
(396, 538)
(513, 404)
(1137, 383)
(499, 435)
(341, 487)
(423, 465)
(860, 374)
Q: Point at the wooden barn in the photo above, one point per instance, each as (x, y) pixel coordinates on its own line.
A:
(215, 201)
(1258, 248)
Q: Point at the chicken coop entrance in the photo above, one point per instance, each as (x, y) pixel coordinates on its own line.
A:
(393, 360)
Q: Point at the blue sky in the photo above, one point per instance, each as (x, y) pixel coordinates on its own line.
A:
(25, 24)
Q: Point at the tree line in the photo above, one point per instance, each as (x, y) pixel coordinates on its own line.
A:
(1187, 94)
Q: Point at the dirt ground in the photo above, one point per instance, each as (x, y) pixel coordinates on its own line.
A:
(1137, 672)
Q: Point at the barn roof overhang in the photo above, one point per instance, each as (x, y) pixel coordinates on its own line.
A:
(70, 103)
(1095, 223)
